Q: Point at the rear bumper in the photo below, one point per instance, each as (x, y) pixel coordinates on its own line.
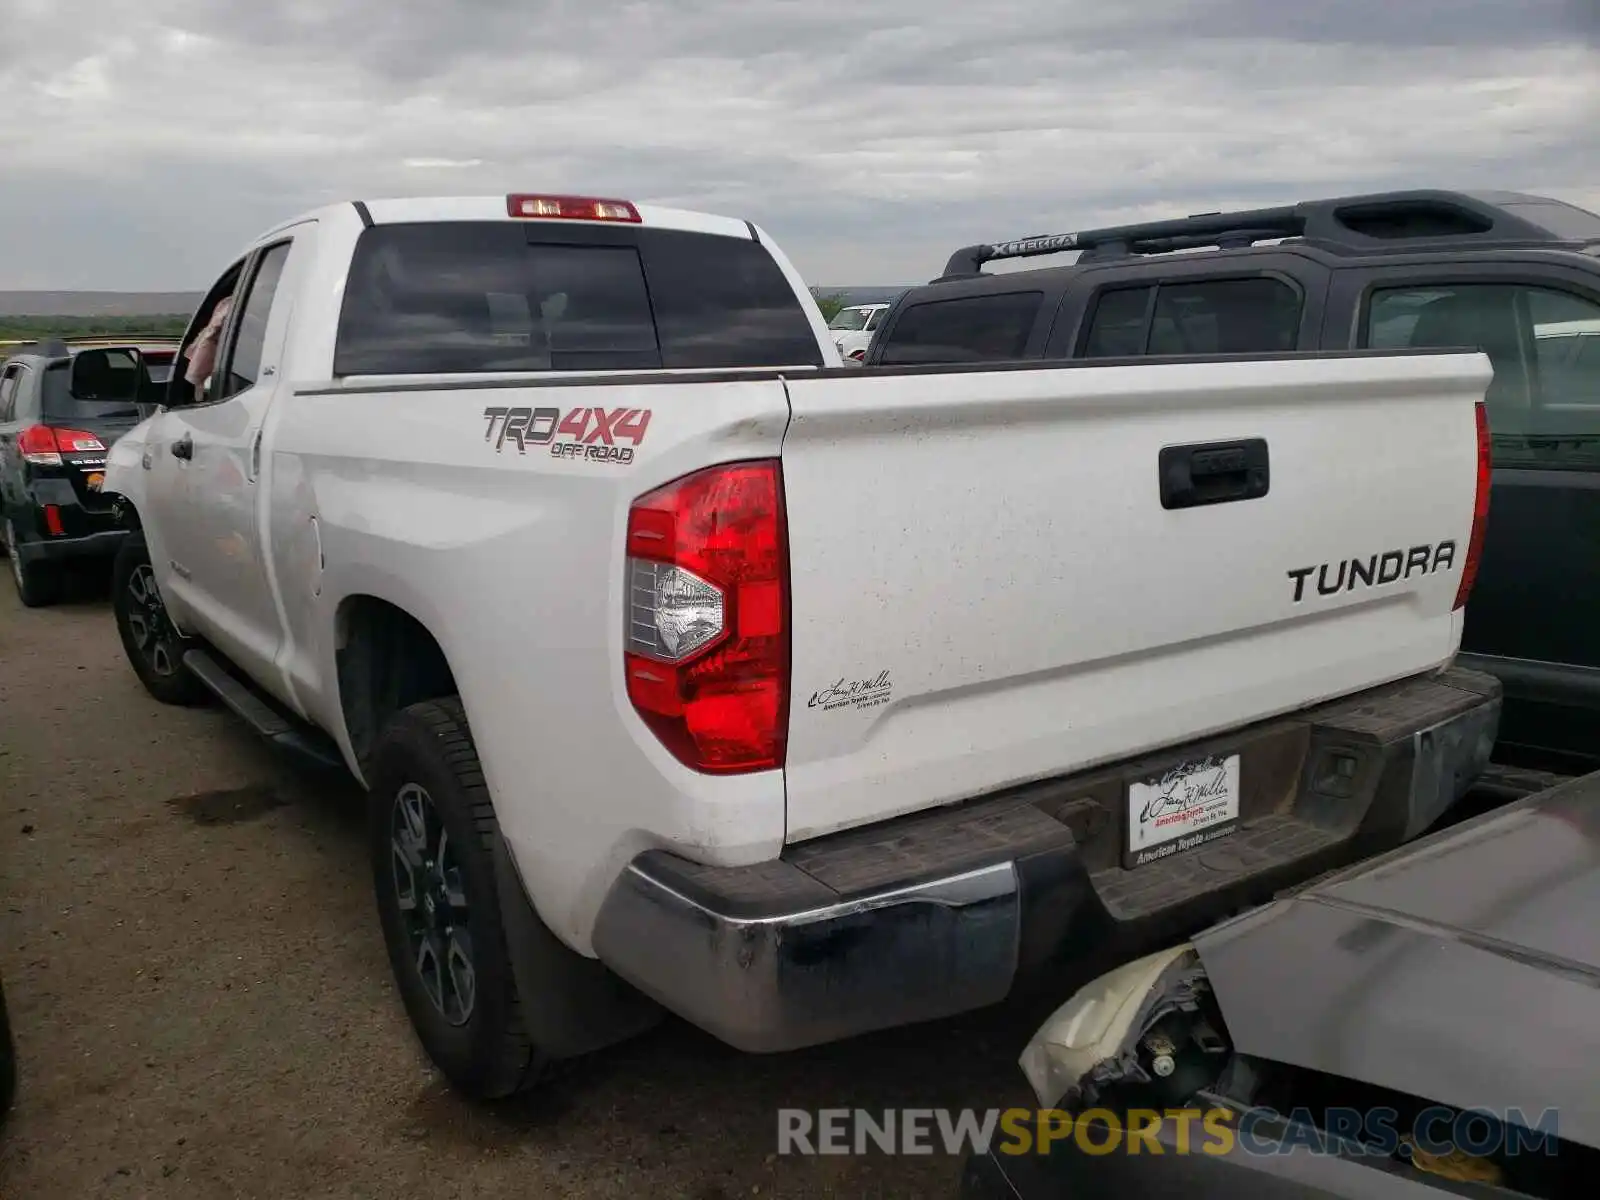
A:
(85, 532)
(102, 544)
(939, 913)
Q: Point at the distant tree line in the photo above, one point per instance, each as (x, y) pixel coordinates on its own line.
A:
(23, 328)
(829, 303)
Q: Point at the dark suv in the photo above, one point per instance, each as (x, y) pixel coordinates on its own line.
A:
(1517, 276)
(56, 423)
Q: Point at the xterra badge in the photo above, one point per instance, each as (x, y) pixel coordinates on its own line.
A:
(590, 434)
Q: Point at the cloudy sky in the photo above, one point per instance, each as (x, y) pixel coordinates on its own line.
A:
(145, 140)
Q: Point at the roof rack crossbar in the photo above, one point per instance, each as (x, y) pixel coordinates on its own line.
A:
(1202, 229)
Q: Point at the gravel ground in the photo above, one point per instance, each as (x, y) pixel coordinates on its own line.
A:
(203, 1007)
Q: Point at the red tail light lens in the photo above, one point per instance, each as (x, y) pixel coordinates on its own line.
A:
(1480, 509)
(44, 445)
(707, 640)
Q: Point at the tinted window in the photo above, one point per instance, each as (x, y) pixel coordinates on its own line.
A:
(8, 389)
(57, 403)
(1225, 316)
(723, 302)
(487, 296)
(250, 338)
(1118, 326)
(988, 328)
(1544, 400)
(876, 318)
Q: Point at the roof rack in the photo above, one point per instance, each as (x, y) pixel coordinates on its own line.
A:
(1350, 223)
(44, 348)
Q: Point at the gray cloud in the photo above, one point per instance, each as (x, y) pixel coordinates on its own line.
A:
(870, 138)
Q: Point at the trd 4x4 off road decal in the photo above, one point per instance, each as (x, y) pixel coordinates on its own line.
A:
(588, 434)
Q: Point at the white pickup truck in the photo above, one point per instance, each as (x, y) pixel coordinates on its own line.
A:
(687, 669)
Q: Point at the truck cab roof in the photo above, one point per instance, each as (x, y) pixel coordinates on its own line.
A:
(412, 209)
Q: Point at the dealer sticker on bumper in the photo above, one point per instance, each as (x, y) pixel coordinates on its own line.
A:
(1192, 803)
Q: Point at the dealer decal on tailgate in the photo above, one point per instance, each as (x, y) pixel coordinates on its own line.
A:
(588, 434)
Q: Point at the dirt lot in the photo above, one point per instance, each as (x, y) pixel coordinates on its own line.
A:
(203, 1006)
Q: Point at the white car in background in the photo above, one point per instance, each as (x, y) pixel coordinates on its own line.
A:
(852, 329)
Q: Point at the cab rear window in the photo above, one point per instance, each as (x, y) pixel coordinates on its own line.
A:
(469, 297)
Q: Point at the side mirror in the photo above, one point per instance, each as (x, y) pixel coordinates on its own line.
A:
(106, 375)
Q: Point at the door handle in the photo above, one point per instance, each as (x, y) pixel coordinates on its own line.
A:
(1214, 473)
(183, 447)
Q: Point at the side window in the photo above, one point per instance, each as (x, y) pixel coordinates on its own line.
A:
(1225, 316)
(875, 319)
(250, 325)
(988, 328)
(197, 356)
(1117, 329)
(1544, 400)
(1566, 338)
(8, 392)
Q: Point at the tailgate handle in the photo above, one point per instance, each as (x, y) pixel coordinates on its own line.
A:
(1214, 473)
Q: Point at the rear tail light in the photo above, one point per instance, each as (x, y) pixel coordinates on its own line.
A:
(572, 208)
(1480, 509)
(44, 445)
(707, 640)
(858, 355)
(52, 520)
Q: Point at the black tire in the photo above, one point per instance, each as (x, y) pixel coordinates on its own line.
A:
(154, 647)
(38, 584)
(482, 1048)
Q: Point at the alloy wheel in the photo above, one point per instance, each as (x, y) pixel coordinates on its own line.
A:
(152, 630)
(433, 903)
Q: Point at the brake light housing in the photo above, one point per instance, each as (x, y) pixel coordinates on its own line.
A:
(706, 642)
(571, 208)
(1480, 509)
(43, 445)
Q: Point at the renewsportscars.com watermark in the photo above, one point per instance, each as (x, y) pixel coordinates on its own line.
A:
(1380, 1132)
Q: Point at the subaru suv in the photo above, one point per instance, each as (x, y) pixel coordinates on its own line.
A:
(61, 407)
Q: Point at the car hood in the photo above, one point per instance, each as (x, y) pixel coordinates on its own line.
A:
(1463, 969)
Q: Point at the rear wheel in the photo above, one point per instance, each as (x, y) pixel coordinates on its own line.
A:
(153, 644)
(432, 830)
(38, 584)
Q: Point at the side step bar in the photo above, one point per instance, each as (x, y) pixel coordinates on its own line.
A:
(261, 714)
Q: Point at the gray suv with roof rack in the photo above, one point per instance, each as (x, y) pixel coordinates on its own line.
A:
(1515, 275)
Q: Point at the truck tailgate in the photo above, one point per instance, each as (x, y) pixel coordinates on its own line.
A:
(988, 587)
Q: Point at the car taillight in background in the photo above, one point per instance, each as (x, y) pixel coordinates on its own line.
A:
(707, 639)
(44, 445)
(1480, 508)
(857, 355)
